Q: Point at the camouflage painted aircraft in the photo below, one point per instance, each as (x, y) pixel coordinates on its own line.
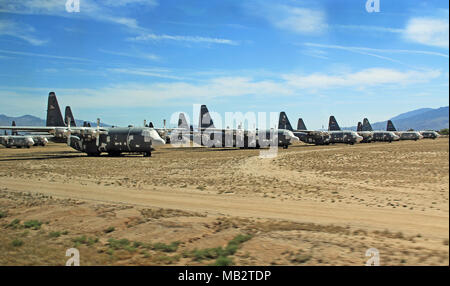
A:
(306, 136)
(431, 134)
(95, 140)
(341, 136)
(384, 136)
(365, 130)
(208, 135)
(404, 135)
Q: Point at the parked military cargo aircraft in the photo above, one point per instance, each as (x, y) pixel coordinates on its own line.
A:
(17, 141)
(365, 130)
(384, 136)
(404, 135)
(95, 140)
(341, 136)
(208, 135)
(307, 136)
(429, 134)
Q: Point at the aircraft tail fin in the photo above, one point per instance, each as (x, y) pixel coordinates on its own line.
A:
(333, 125)
(205, 118)
(301, 125)
(13, 131)
(54, 116)
(151, 125)
(366, 125)
(390, 126)
(182, 122)
(68, 114)
(283, 122)
(359, 128)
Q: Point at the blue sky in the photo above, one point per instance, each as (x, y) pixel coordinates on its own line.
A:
(129, 60)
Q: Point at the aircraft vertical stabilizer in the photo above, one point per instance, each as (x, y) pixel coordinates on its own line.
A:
(54, 116)
(390, 126)
(182, 122)
(366, 125)
(13, 132)
(205, 120)
(359, 128)
(333, 125)
(301, 125)
(283, 122)
(68, 114)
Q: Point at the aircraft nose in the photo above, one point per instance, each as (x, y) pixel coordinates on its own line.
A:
(158, 141)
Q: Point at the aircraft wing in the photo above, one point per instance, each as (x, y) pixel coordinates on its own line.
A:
(49, 129)
(29, 128)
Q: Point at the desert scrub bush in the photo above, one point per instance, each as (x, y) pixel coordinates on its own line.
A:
(85, 240)
(17, 243)
(3, 214)
(33, 224)
(117, 244)
(218, 252)
(15, 223)
(172, 247)
(110, 229)
(223, 261)
(54, 234)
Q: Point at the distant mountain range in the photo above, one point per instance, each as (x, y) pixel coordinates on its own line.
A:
(30, 120)
(419, 119)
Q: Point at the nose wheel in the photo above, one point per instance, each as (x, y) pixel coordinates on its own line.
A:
(148, 154)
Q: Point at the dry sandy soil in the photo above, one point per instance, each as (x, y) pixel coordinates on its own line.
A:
(311, 205)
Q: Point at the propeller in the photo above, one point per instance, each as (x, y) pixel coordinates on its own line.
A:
(97, 140)
(68, 131)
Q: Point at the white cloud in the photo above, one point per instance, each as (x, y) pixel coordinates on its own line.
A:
(45, 56)
(145, 72)
(20, 31)
(365, 49)
(193, 39)
(428, 31)
(88, 9)
(364, 78)
(117, 3)
(301, 20)
(138, 55)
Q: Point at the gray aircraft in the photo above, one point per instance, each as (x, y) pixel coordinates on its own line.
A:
(404, 135)
(22, 140)
(341, 136)
(208, 135)
(430, 134)
(95, 140)
(306, 136)
(384, 136)
(17, 141)
(365, 130)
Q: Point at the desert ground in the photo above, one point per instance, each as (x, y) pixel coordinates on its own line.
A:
(310, 205)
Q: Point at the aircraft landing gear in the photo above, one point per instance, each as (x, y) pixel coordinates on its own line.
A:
(285, 146)
(147, 154)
